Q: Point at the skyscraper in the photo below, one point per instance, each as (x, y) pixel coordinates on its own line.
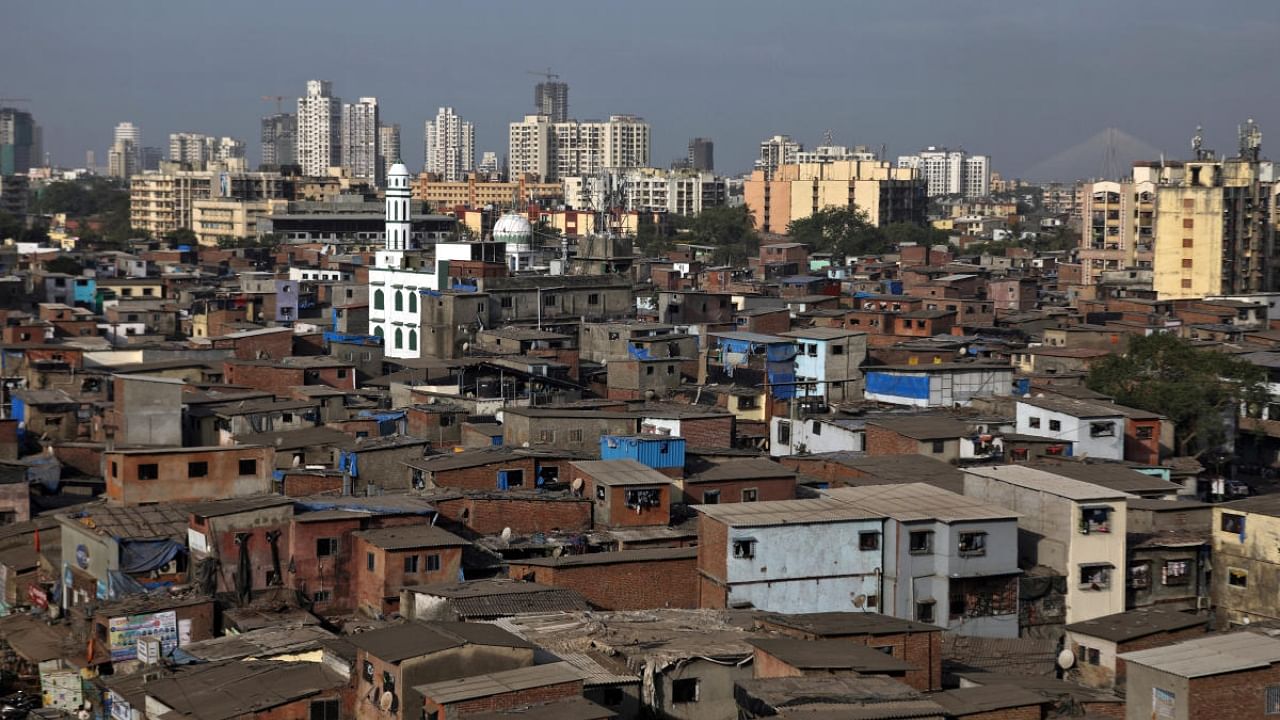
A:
(279, 138)
(18, 145)
(450, 146)
(194, 148)
(951, 172)
(389, 146)
(360, 140)
(777, 150)
(552, 99)
(124, 159)
(702, 154)
(127, 131)
(570, 149)
(319, 129)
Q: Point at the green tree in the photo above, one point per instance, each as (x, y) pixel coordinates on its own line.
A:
(839, 230)
(904, 233)
(1196, 389)
(651, 238)
(64, 264)
(731, 230)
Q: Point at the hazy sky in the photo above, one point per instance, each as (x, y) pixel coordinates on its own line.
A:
(1020, 81)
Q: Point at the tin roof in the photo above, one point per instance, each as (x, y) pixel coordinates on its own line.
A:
(1210, 655)
(407, 537)
(506, 681)
(919, 501)
(1134, 624)
(621, 472)
(785, 512)
(1048, 482)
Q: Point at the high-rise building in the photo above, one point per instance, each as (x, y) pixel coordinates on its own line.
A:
(149, 158)
(573, 148)
(1118, 229)
(702, 154)
(777, 151)
(127, 131)
(18, 146)
(489, 167)
(552, 99)
(124, 158)
(279, 138)
(793, 192)
(833, 153)
(228, 148)
(449, 146)
(194, 148)
(951, 172)
(319, 129)
(360, 153)
(90, 160)
(389, 146)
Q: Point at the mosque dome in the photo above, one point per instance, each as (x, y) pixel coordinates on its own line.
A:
(513, 229)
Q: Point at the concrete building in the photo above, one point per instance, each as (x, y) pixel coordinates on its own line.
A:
(828, 362)
(702, 155)
(1214, 230)
(389, 146)
(18, 146)
(475, 191)
(551, 98)
(1245, 560)
(163, 201)
(552, 150)
(762, 555)
(216, 221)
(167, 475)
(1220, 676)
(943, 547)
(529, 150)
(951, 172)
(279, 140)
(1119, 226)
(775, 152)
(793, 192)
(833, 153)
(449, 146)
(1073, 528)
(1090, 429)
(319, 129)
(360, 154)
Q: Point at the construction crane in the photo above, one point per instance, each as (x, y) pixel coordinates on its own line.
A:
(548, 74)
(279, 99)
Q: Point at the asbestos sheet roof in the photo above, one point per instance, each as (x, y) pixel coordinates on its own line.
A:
(830, 655)
(749, 469)
(409, 640)
(407, 537)
(610, 558)
(574, 708)
(985, 699)
(507, 681)
(498, 598)
(918, 501)
(1212, 655)
(621, 472)
(1126, 626)
(1048, 482)
(237, 688)
(1113, 476)
(785, 512)
(265, 642)
(152, 522)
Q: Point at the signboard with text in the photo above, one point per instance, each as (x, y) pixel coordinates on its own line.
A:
(123, 633)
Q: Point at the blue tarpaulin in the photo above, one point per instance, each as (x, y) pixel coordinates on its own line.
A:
(909, 386)
(780, 352)
(138, 556)
(781, 384)
(347, 463)
(638, 353)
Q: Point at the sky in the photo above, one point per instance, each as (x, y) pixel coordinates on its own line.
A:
(1023, 82)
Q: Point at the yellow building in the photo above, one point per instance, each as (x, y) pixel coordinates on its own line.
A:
(476, 193)
(1118, 226)
(886, 193)
(1213, 230)
(1246, 560)
(218, 219)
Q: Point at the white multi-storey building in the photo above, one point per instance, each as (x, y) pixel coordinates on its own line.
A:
(198, 148)
(951, 172)
(834, 153)
(124, 157)
(648, 190)
(127, 131)
(775, 151)
(389, 146)
(228, 148)
(449, 144)
(574, 148)
(319, 129)
(360, 153)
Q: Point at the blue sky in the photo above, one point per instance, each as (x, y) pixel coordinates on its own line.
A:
(1020, 81)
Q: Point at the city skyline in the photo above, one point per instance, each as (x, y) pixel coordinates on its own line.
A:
(1052, 74)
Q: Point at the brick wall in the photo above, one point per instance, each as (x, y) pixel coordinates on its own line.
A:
(489, 515)
(485, 477)
(504, 701)
(708, 432)
(731, 490)
(86, 459)
(300, 484)
(378, 590)
(713, 549)
(921, 650)
(655, 583)
(883, 441)
(1026, 712)
(275, 380)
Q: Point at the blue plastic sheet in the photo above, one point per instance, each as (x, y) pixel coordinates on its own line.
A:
(909, 386)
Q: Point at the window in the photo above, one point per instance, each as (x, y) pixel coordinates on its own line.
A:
(1272, 699)
(197, 469)
(744, 548)
(973, 543)
(148, 471)
(1095, 577)
(369, 562)
(321, 596)
(939, 446)
(1086, 655)
(575, 436)
(511, 478)
(1176, 572)
(1102, 429)
(749, 495)
(612, 696)
(1140, 575)
(684, 690)
(326, 547)
(399, 301)
(711, 497)
(784, 432)
(1033, 422)
(377, 299)
(958, 606)
(413, 301)
(921, 541)
(115, 469)
(504, 302)
(1237, 577)
(1055, 425)
(411, 563)
(1232, 523)
(249, 467)
(593, 299)
(1188, 242)
(925, 611)
(817, 427)
(600, 493)
(325, 709)
(1095, 520)
(811, 349)
(837, 349)
(648, 370)
(868, 541)
(548, 300)
(546, 436)
(1145, 432)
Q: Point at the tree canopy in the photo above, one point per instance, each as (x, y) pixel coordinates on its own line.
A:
(730, 229)
(839, 230)
(1196, 389)
(90, 197)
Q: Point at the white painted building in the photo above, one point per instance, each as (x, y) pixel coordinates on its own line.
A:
(1093, 429)
(951, 172)
(775, 151)
(449, 146)
(360, 153)
(829, 358)
(937, 385)
(555, 150)
(790, 556)
(813, 435)
(319, 129)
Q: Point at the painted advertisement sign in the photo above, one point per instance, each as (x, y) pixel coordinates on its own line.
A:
(123, 633)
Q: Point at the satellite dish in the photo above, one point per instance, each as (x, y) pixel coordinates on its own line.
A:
(386, 701)
(466, 346)
(577, 484)
(1066, 659)
(297, 460)
(506, 533)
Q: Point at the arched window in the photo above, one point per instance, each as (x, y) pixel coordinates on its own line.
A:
(377, 330)
(377, 299)
(413, 301)
(399, 301)
(413, 339)
(399, 338)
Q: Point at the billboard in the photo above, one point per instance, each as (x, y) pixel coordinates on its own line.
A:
(123, 633)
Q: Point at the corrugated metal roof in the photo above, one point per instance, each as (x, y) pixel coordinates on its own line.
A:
(919, 501)
(1212, 655)
(621, 472)
(411, 536)
(478, 686)
(1048, 482)
(785, 512)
